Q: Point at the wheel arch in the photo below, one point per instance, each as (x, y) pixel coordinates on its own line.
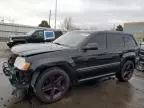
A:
(65, 66)
(130, 58)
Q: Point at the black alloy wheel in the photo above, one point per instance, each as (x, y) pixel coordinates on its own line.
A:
(126, 71)
(52, 85)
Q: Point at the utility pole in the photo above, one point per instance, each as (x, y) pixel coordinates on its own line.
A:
(49, 17)
(55, 13)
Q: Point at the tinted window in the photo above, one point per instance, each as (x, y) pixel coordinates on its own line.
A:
(39, 34)
(100, 39)
(115, 41)
(129, 41)
(58, 34)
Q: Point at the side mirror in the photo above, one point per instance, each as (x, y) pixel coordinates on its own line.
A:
(91, 46)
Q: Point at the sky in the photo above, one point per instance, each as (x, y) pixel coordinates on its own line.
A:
(84, 13)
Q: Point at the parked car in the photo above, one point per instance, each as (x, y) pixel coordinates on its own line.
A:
(34, 36)
(140, 65)
(50, 69)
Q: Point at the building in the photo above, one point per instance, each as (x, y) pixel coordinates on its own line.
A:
(135, 28)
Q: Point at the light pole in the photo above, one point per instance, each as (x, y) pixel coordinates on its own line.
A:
(49, 18)
(55, 13)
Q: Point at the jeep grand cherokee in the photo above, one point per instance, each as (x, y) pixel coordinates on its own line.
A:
(49, 69)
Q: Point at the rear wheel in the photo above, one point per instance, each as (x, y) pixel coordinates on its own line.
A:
(126, 72)
(52, 85)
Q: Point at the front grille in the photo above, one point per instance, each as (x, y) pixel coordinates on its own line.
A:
(11, 60)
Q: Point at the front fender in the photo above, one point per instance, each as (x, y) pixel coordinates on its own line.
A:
(51, 62)
(41, 64)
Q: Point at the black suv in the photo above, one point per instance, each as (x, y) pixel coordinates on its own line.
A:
(35, 36)
(49, 69)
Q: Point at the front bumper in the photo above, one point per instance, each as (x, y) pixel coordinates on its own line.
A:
(16, 77)
(9, 44)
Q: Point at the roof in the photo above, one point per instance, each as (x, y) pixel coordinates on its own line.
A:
(109, 31)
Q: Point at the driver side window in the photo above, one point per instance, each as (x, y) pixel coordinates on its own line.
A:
(100, 39)
(39, 34)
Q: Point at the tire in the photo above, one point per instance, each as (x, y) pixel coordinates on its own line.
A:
(126, 72)
(50, 81)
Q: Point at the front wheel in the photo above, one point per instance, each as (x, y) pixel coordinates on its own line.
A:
(52, 85)
(126, 71)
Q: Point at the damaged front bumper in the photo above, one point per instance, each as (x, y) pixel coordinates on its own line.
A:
(16, 77)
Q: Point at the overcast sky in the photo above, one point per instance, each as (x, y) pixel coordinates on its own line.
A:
(83, 12)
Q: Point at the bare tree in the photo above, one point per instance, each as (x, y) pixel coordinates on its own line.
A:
(67, 24)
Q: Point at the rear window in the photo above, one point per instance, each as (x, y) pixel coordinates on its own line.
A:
(129, 41)
(115, 41)
(58, 34)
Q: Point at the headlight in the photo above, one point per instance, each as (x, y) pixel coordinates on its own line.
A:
(21, 64)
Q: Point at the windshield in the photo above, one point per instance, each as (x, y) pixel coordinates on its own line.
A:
(30, 32)
(72, 39)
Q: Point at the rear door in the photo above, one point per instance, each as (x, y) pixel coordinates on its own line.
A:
(115, 48)
(131, 47)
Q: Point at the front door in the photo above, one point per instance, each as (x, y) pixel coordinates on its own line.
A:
(97, 61)
(37, 37)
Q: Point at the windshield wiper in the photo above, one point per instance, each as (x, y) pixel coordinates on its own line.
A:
(57, 43)
(61, 44)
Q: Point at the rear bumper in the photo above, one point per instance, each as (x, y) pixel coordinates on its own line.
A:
(15, 81)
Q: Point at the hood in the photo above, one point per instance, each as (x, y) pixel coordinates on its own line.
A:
(18, 36)
(36, 48)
